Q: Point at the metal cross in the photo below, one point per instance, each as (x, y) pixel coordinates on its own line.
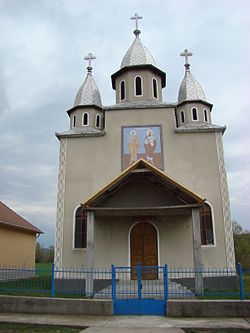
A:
(136, 17)
(89, 57)
(186, 54)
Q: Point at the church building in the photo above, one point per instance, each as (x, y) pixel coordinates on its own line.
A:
(142, 181)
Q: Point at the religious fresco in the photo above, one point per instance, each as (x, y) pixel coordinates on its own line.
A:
(142, 142)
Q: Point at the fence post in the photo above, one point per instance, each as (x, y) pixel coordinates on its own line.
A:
(241, 282)
(139, 280)
(53, 281)
(113, 283)
(166, 282)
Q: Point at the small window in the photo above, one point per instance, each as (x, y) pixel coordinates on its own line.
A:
(74, 120)
(97, 121)
(155, 90)
(85, 119)
(206, 225)
(138, 86)
(182, 117)
(205, 115)
(122, 90)
(194, 114)
(80, 228)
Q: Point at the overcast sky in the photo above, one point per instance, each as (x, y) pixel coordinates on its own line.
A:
(42, 46)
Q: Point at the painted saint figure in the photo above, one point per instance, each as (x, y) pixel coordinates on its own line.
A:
(133, 146)
(150, 145)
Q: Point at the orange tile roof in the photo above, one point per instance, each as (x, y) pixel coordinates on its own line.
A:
(10, 219)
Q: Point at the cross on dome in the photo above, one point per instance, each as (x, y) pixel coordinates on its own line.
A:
(186, 54)
(89, 57)
(136, 17)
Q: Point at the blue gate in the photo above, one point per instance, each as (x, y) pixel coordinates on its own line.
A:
(140, 290)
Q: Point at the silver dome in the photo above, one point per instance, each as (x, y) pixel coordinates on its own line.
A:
(88, 94)
(190, 89)
(137, 54)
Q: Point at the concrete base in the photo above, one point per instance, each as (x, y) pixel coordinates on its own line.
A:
(43, 305)
(208, 308)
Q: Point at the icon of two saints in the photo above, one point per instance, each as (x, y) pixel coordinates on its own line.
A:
(149, 143)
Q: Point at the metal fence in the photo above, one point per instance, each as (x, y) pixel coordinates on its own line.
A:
(101, 283)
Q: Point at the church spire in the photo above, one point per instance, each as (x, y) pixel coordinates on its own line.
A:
(186, 54)
(190, 88)
(88, 94)
(136, 17)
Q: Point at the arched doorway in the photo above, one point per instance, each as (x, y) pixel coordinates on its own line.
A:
(144, 249)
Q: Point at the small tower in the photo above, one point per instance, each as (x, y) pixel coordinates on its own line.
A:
(87, 111)
(192, 108)
(138, 78)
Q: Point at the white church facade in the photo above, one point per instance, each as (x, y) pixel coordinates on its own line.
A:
(142, 181)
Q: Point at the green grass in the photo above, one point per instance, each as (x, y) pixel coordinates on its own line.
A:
(30, 328)
(44, 267)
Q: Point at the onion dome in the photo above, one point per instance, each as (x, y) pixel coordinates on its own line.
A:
(137, 54)
(88, 94)
(190, 89)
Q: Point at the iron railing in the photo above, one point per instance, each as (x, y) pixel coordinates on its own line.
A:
(122, 282)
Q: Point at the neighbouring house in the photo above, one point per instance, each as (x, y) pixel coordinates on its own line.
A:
(17, 239)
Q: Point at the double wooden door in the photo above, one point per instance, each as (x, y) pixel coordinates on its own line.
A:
(144, 250)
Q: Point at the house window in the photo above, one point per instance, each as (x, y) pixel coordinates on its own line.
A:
(182, 117)
(206, 225)
(80, 228)
(97, 121)
(138, 86)
(205, 115)
(74, 121)
(85, 119)
(155, 90)
(122, 89)
(194, 114)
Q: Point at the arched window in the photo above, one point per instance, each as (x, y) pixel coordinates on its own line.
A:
(80, 228)
(205, 115)
(138, 86)
(122, 90)
(85, 119)
(155, 89)
(182, 117)
(194, 114)
(97, 120)
(206, 225)
(74, 121)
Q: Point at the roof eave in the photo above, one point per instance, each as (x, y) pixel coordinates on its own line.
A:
(94, 106)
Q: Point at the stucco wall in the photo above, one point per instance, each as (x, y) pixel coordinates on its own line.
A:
(190, 158)
(17, 247)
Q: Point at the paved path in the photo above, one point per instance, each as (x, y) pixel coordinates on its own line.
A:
(129, 324)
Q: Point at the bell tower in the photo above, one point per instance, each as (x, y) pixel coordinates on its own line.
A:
(138, 78)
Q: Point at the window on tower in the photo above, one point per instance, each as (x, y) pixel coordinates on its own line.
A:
(155, 90)
(194, 114)
(122, 90)
(74, 121)
(85, 119)
(205, 115)
(80, 228)
(206, 225)
(182, 117)
(97, 121)
(138, 86)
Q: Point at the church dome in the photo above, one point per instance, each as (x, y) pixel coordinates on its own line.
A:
(137, 54)
(88, 94)
(190, 88)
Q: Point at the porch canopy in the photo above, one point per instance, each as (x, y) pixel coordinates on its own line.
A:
(143, 189)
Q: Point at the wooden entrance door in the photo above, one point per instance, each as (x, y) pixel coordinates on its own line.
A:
(143, 250)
